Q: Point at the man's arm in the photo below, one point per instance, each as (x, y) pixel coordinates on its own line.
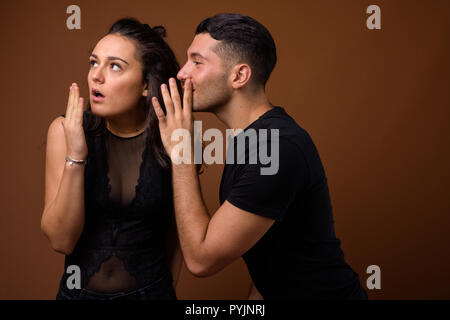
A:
(254, 293)
(208, 244)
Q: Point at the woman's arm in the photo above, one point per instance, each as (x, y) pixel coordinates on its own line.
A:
(63, 216)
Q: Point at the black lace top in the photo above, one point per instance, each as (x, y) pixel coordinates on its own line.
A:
(128, 201)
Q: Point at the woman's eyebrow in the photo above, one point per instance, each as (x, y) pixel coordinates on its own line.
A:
(109, 58)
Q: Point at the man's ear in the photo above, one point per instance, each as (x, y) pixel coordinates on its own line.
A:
(240, 75)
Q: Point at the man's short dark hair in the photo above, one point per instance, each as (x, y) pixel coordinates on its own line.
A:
(243, 39)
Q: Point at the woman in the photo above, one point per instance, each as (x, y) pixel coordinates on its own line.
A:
(108, 196)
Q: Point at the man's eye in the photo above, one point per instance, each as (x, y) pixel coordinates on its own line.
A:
(93, 63)
(197, 63)
(115, 67)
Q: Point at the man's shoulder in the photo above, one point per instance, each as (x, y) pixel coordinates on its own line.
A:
(289, 131)
(278, 118)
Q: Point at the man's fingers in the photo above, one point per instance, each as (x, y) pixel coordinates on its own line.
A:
(175, 95)
(187, 97)
(158, 110)
(167, 99)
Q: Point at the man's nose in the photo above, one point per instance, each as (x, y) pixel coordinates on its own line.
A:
(182, 74)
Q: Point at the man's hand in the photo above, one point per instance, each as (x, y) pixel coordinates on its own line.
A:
(178, 116)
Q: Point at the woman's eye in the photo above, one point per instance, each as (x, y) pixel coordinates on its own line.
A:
(93, 63)
(115, 67)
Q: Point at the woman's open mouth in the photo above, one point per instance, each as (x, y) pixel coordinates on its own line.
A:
(97, 96)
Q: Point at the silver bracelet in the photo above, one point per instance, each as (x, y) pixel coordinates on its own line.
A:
(72, 161)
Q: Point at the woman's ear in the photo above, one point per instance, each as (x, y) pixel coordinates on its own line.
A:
(145, 91)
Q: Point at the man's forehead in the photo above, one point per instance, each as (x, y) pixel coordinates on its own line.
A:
(203, 45)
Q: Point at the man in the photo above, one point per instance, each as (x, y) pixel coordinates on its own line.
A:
(280, 222)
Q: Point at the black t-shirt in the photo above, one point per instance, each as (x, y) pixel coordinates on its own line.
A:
(299, 256)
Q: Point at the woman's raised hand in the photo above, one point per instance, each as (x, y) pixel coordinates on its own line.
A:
(73, 125)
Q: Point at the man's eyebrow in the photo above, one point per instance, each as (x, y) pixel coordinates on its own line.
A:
(109, 58)
(196, 55)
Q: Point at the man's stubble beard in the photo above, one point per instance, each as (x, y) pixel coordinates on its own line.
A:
(214, 97)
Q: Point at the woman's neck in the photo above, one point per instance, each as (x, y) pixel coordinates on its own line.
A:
(129, 124)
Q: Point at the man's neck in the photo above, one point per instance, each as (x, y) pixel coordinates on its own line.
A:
(242, 112)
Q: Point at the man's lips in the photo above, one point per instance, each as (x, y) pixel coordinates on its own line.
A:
(183, 85)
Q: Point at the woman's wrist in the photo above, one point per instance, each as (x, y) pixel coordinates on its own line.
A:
(76, 161)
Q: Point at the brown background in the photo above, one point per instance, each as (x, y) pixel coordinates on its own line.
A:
(374, 101)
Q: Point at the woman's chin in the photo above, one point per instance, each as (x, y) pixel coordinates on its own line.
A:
(99, 110)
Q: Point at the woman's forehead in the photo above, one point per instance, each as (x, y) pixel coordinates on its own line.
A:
(115, 45)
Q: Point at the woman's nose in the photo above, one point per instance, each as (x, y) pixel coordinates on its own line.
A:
(97, 75)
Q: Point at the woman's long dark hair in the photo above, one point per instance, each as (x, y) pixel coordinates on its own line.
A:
(158, 65)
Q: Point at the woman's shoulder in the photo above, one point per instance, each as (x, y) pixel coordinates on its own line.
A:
(56, 127)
